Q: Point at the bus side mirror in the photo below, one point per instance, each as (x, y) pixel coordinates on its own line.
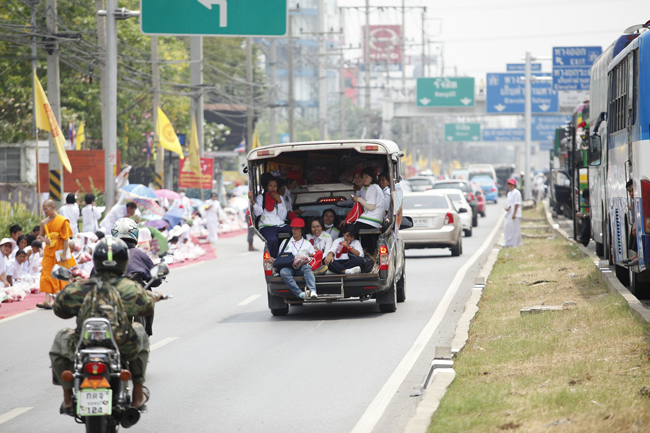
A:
(595, 150)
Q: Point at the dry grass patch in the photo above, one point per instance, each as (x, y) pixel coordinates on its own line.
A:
(579, 370)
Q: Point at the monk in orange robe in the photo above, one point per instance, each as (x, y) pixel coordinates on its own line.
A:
(55, 233)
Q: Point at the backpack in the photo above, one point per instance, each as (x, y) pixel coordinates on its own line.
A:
(104, 300)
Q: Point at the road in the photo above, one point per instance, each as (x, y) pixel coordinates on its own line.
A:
(222, 363)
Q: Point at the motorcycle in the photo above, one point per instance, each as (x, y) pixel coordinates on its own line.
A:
(102, 381)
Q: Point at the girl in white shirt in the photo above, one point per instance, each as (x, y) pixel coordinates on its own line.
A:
(373, 204)
(318, 238)
(329, 226)
(271, 209)
(345, 254)
(299, 245)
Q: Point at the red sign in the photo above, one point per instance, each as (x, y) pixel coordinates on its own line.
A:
(86, 165)
(188, 179)
(385, 43)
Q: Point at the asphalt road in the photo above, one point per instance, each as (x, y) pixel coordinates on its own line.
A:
(222, 363)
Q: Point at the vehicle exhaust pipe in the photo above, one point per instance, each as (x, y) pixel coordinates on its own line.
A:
(130, 417)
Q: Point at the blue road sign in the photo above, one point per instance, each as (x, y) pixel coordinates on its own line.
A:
(546, 145)
(572, 67)
(505, 94)
(504, 134)
(521, 67)
(543, 127)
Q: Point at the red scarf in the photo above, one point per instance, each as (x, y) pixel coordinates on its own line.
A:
(269, 202)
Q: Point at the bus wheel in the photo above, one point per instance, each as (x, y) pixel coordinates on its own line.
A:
(600, 250)
(640, 289)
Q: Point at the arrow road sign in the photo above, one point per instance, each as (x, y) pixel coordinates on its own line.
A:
(505, 94)
(445, 92)
(572, 67)
(462, 131)
(543, 127)
(504, 134)
(214, 17)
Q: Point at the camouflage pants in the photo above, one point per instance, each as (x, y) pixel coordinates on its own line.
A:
(62, 357)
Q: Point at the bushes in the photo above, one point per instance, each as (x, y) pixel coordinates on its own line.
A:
(16, 214)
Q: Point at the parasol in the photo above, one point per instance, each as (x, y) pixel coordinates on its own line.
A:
(174, 216)
(157, 224)
(150, 204)
(137, 190)
(166, 193)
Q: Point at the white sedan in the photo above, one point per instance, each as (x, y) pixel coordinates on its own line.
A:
(458, 197)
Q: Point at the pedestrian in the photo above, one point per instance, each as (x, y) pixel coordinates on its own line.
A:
(118, 211)
(298, 245)
(585, 234)
(512, 223)
(271, 209)
(15, 231)
(213, 213)
(90, 215)
(36, 231)
(55, 234)
(70, 210)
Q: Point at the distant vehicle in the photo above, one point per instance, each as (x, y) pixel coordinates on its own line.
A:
(460, 173)
(421, 183)
(476, 170)
(504, 172)
(480, 198)
(488, 186)
(467, 189)
(406, 186)
(460, 202)
(436, 222)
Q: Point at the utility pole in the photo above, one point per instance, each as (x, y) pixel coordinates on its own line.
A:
(527, 114)
(155, 80)
(196, 80)
(424, 19)
(342, 122)
(272, 95)
(54, 97)
(250, 111)
(101, 40)
(292, 102)
(322, 73)
(34, 66)
(366, 60)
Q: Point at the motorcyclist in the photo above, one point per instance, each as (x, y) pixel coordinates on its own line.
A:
(139, 262)
(110, 257)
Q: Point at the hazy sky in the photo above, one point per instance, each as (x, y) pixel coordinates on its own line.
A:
(481, 36)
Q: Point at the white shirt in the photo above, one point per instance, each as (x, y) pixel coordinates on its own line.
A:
(212, 214)
(322, 242)
(374, 195)
(71, 212)
(302, 246)
(332, 231)
(118, 211)
(287, 200)
(354, 245)
(90, 216)
(17, 271)
(387, 199)
(274, 218)
(514, 198)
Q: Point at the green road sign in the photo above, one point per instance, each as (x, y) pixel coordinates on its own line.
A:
(214, 17)
(462, 132)
(445, 92)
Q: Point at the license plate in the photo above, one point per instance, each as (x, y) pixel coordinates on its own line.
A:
(91, 402)
(420, 222)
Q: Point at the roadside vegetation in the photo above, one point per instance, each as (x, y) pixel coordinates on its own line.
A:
(585, 368)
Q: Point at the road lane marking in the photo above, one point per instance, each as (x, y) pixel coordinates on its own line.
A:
(16, 316)
(13, 414)
(162, 343)
(381, 401)
(249, 300)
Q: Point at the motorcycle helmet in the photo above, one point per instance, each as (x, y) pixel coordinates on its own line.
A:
(111, 255)
(125, 229)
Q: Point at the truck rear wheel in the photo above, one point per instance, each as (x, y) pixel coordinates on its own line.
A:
(277, 305)
(388, 300)
(401, 287)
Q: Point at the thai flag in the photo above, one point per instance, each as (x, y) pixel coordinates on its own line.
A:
(241, 147)
(72, 136)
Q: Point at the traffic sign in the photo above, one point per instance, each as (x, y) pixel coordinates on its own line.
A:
(214, 17)
(504, 134)
(445, 92)
(462, 131)
(543, 127)
(572, 67)
(284, 138)
(506, 94)
(521, 67)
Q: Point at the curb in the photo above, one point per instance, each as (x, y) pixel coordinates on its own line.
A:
(606, 274)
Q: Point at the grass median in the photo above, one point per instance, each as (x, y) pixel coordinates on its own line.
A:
(585, 368)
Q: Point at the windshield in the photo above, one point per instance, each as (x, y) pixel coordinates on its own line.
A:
(425, 202)
(455, 197)
(463, 186)
(483, 180)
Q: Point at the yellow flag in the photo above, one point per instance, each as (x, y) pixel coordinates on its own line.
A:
(81, 135)
(256, 140)
(167, 135)
(195, 160)
(46, 121)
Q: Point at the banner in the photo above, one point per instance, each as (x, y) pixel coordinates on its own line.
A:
(188, 179)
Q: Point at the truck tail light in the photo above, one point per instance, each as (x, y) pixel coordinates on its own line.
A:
(268, 265)
(645, 205)
(383, 258)
(449, 218)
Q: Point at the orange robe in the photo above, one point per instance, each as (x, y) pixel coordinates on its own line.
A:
(57, 230)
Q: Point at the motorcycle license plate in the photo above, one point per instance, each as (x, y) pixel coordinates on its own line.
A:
(91, 402)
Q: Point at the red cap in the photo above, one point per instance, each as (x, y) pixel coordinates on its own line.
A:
(297, 222)
(512, 182)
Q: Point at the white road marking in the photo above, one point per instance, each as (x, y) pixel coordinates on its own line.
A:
(13, 414)
(16, 316)
(378, 405)
(162, 343)
(249, 300)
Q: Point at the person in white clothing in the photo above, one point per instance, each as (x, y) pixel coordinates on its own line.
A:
(90, 215)
(318, 238)
(213, 213)
(118, 211)
(271, 209)
(384, 184)
(70, 210)
(298, 245)
(329, 224)
(18, 268)
(186, 204)
(512, 223)
(344, 256)
(374, 208)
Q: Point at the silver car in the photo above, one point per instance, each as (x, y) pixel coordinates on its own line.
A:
(436, 223)
(458, 198)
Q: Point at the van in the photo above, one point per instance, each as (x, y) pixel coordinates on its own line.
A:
(327, 168)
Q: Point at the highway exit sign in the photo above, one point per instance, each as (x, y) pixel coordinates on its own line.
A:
(214, 17)
(445, 92)
(462, 132)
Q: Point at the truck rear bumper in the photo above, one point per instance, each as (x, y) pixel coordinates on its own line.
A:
(334, 286)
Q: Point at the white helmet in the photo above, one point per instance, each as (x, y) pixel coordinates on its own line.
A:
(125, 228)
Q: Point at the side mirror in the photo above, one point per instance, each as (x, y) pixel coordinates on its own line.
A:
(595, 150)
(60, 273)
(462, 210)
(407, 223)
(160, 270)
